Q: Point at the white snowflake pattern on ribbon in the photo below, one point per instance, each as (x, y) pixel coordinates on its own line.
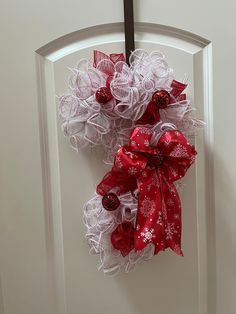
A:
(177, 249)
(173, 171)
(147, 207)
(148, 235)
(179, 151)
(132, 171)
(172, 190)
(170, 231)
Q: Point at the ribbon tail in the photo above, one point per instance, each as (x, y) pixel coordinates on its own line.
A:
(159, 214)
(171, 214)
(148, 229)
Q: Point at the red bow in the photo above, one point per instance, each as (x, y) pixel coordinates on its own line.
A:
(152, 170)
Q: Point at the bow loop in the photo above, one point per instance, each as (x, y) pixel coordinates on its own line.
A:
(178, 154)
(140, 139)
(129, 162)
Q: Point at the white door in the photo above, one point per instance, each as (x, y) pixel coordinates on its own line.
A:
(45, 266)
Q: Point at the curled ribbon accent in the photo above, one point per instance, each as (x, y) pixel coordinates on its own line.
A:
(153, 171)
(122, 238)
(178, 104)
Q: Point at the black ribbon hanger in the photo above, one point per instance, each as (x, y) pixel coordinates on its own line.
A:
(129, 28)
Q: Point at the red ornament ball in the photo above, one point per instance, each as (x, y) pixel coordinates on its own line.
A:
(110, 201)
(161, 98)
(103, 95)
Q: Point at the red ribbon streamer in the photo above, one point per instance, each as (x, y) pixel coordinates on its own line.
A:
(113, 57)
(152, 170)
(100, 59)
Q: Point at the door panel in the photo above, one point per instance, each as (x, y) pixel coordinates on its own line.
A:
(72, 177)
(44, 262)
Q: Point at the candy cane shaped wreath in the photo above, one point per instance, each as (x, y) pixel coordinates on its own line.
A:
(142, 118)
